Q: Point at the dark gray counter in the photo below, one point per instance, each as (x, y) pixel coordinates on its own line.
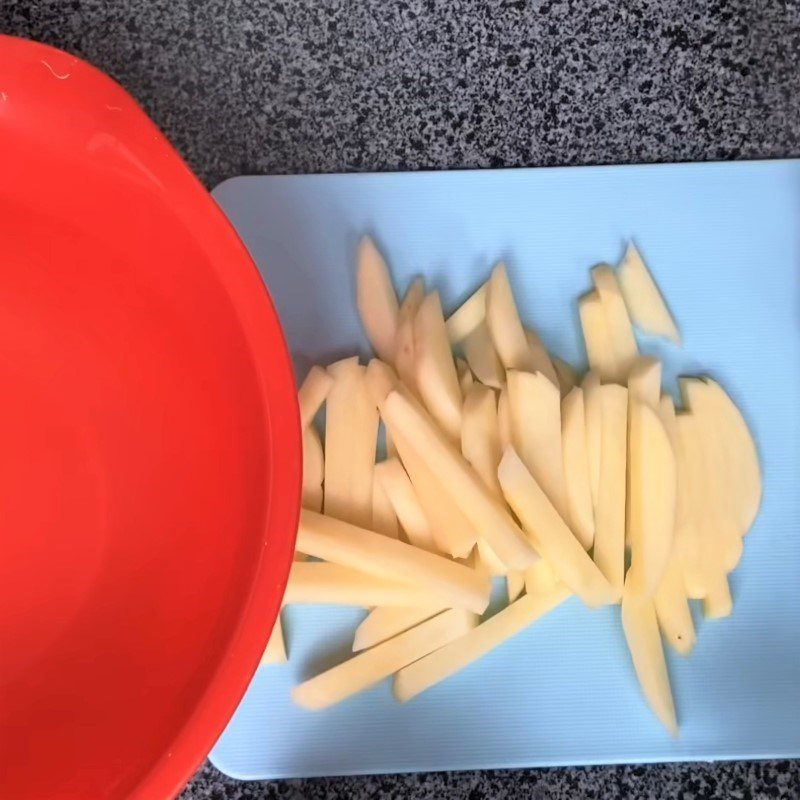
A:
(282, 86)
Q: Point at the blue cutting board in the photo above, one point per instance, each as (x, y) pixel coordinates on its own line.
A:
(723, 241)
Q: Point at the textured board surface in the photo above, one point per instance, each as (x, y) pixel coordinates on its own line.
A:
(723, 241)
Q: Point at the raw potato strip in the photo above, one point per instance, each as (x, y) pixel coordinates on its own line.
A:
(341, 543)
(313, 469)
(653, 498)
(397, 485)
(467, 317)
(385, 622)
(371, 666)
(542, 357)
(609, 535)
(515, 584)
(452, 532)
(618, 323)
(482, 357)
(534, 405)
(550, 534)
(376, 300)
(480, 437)
(351, 434)
(315, 582)
(596, 337)
(312, 394)
(384, 518)
(644, 642)
(404, 347)
(465, 378)
(718, 602)
(566, 374)
(434, 367)
(275, 652)
(486, 513)
(672, 609)
(503, 418)
(488, 560)
(643, 298)
(540, 578)
(436, 667)
(509, 337)
(576, 467)
(593, 415)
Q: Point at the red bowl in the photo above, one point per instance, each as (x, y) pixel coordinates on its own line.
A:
(149, 446)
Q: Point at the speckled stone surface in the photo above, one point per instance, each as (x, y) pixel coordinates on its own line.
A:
(283, 86)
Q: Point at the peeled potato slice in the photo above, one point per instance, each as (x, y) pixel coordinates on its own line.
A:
(384, 518)
(312, 393)
(593, 415)
(275, 652)
(503, 418)
(566, 374)
(480, 437)
(643, 298)
(314, 582)
(351, 434)
(434, 668)
(488, 560)
(609, 534)
(435, 369)
(618, 323)
(653, 497)
(469, 315)
(672, 609)
(348, 545)
(483, 509)
(718, 602)
(384, 622)
(515, 584)
(404, 347)
(597, 338)
(482, 357)
(534, 405)
(576, 467)
(465, 377)
(544, 363)
(552, 538)
(376, 300)
(313, 469)
(540, 578)
(644, 642)
(397, 485)
(371, 666)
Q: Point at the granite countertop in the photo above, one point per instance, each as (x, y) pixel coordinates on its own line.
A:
(284, 86)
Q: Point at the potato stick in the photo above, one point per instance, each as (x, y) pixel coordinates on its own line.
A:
(434, 368)
(609, 534)
(576, 467)
(381, 379)
(534, 405)
(351, 433)
(566, 374)
(643, 298)
(644, 642)
(503, 419)
(404, 348)
(672, 609)
(540, 578)
(718, 602)
(596, 337)
(315, 582)
(312, 394)
(369, 667)
(452, 531)
(313, 469)
(465, 377)
(404, 500)
(434, 668)
(488, 560)
(384, 622)
(376, 300)
(468, 316)
(618, 323)
(480, 436)
(275, 652)
(482, 357)
(515, 584)
(541, 357)
(593, 415)
(550, 534)
(342, 543)
(384, 518)
(486, 513)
